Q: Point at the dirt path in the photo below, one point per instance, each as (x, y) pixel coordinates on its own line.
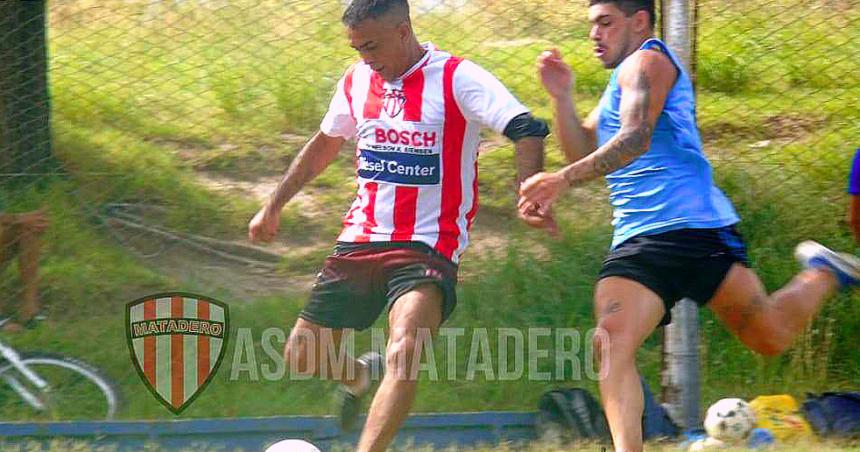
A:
(302, 256)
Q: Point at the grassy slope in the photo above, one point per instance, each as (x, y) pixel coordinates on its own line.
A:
(217, 90)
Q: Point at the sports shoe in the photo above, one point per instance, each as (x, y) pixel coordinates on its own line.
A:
(349, 403)
(845, 267)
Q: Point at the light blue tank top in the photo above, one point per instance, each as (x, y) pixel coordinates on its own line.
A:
(854, 178)
(671, 186)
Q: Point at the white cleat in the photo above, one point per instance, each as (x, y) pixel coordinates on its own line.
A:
(846, 267)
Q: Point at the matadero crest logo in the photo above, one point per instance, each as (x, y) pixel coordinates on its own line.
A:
(393, 101)
(176, 341)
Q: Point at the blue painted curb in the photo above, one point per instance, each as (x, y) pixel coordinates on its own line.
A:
(254, 434)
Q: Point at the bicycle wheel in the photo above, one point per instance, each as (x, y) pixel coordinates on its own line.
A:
(76, 390)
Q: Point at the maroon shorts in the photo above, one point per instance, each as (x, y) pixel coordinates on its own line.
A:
(358, 281)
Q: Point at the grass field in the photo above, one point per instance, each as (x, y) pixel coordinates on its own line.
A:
(150, 95)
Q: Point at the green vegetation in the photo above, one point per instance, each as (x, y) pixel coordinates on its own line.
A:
(148, 95)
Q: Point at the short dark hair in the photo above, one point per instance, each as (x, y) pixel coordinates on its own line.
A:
(360, 10)
(631, 7)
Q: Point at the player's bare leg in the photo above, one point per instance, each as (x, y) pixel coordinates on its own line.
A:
(311, 350)
(28, 263)
(7, 240)
(8, 247)
(627, 313)
(768, 324)
(20, 234)
(416, 311)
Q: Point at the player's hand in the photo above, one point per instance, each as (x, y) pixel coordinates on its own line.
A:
(264, 226)
(539, 192)
(538, 221)
(555, 75)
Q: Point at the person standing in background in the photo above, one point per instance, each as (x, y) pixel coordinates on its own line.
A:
(20, 235)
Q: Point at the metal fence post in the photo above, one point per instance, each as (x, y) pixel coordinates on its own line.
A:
(681, 378)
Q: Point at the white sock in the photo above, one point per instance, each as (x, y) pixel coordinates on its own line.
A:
(363, 380)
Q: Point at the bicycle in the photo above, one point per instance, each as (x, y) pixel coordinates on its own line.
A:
(53, 386)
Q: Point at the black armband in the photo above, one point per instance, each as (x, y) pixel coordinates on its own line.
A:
(526, 125)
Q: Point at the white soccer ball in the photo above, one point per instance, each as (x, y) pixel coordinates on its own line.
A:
(292, 445)
(730, 420)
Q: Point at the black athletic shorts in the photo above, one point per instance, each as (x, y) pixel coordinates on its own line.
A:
(358, 281)
(685, 263)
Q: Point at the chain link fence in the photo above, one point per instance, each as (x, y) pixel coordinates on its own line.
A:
(778, 86)
(175, 119)
(172, 120)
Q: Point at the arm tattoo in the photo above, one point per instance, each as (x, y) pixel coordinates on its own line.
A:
(750, 311)
(623, 151)
(631, 141)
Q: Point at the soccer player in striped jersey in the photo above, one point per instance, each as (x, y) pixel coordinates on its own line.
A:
(675, 233)
(415, 112)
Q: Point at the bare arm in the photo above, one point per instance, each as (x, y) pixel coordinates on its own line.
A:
(529, 157)
(645, 84)
(577, 138)
(315, 157)
(644, 88)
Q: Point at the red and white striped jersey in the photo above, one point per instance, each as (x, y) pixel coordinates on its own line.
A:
(417, 148)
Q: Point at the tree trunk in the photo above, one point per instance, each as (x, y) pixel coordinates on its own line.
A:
(25, 134)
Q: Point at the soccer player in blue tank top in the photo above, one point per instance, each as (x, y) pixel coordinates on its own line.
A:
(854, 192)
(675, 233)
